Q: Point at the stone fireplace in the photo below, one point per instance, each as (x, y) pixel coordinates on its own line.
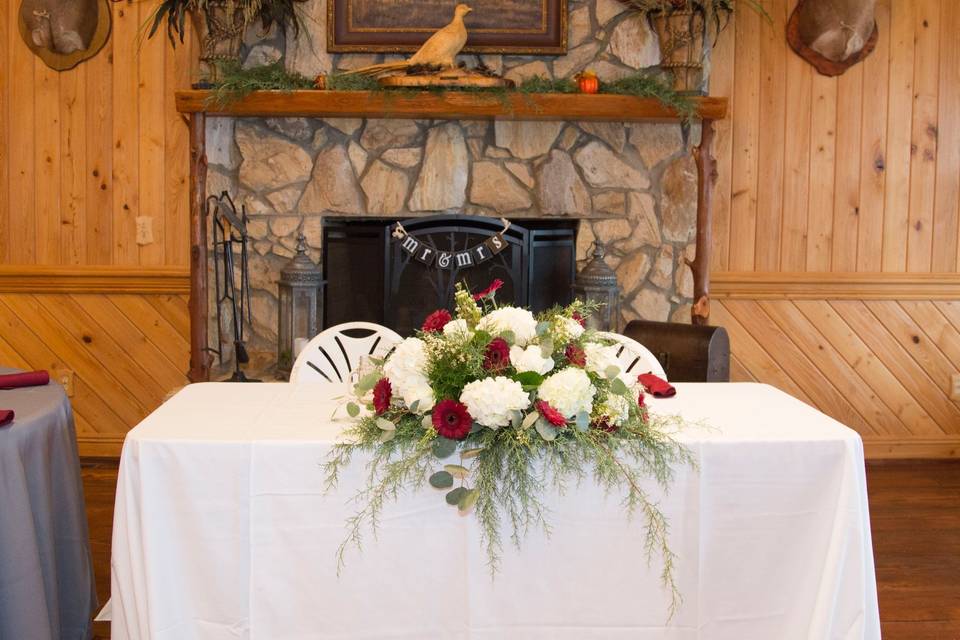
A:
(630, 186)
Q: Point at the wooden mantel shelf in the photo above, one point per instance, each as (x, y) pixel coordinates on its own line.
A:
(447, 105)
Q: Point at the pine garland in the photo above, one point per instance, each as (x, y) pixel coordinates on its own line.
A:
(237, 83)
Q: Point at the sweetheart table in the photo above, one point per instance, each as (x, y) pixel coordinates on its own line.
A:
(223, 529)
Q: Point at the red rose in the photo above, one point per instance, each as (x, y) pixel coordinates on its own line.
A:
(579, 318)
(575, 355)
(452, 420)
(494, 286)
(382, 394)
(604, 424)
(550, 414)
(497, 355)
(436, 321)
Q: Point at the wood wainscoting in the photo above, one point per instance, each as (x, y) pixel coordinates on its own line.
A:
(124, 335)
(878, 352)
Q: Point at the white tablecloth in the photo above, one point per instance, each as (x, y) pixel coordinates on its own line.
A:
(223, 530)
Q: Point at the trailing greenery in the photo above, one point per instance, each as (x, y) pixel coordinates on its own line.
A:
(243, 13)
(648, 86)
(719, 10)
(236, 82)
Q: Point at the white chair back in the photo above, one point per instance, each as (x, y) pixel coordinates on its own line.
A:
(333, 354)
(634, 357)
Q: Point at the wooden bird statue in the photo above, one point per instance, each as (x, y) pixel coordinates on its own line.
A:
(440, 49)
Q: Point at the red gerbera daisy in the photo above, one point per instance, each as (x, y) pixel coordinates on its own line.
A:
(452, 420)
(642, 403)
(436, 321)
(579, 318)
(550, 414)
(382, 394)
(497, 355)
(490, 290)
(575, 355)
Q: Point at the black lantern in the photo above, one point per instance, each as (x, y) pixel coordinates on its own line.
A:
(300, 312)
(597, 283)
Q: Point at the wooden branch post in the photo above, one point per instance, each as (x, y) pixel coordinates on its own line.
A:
(700, 265)
(199, 356)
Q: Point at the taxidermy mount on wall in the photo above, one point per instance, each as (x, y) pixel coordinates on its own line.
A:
(64, 33)
(833, 35)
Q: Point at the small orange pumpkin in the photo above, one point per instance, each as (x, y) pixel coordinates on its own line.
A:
(587, 82)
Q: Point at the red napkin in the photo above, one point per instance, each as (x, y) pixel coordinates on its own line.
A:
(30, 379)
(6, 416)
(656, 385)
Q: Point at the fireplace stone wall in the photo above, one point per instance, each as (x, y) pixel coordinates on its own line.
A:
(632, 186)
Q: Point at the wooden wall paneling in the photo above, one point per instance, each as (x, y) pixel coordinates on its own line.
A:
(9, 356)
(936, 326)
(947, 197)
(796, 150)
(823, 160)
(155, 327)
(126, 120)
(73, 150)
(773, 99)
(177, 147)
(746, 135)
(873, 146)
(738, 372)
(22, 240)
(99, 157)
(152, 138)
(950, 310)
(846, 190)
(923, 170)
(722, 78)
(46, 145)
(5, 125)
(173, 309)
(900, 111)
(900, 363)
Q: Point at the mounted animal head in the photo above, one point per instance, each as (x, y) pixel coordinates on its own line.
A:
(64, 32)
(833, 35)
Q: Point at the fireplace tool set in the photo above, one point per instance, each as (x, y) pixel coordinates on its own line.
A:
(230, 241)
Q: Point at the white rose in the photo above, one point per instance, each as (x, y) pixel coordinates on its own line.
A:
(530, 359)
(457, 328)
(519, 321)
(569, 391)
(491, 401)
(406, 368)
(600, 358)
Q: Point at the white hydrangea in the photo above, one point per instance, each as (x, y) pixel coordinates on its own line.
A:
(530, 359)
(567, 329)
(601, 357)
(406, 368)
(569, 391)
(520, 321)
(617, 410)
(492, 400)
(457, 328)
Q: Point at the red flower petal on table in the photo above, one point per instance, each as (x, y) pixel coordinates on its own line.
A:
(579, 318)
(575, 355)
(496, 284)
(436, 321)
(497, 355)
(382, 394)
(550, 414)
(452, 420)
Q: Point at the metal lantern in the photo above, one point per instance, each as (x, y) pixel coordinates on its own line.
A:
(299, 316)
(597, 283)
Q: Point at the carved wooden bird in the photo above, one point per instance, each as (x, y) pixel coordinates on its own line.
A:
(440, 49)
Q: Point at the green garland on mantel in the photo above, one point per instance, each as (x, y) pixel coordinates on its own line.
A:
(236, 83)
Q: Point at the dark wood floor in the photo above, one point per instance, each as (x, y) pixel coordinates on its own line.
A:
(914, 510)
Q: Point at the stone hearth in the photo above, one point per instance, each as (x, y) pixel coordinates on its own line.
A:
(632, 186)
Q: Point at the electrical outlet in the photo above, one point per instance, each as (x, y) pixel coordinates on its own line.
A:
(65, 378)
(955, 386)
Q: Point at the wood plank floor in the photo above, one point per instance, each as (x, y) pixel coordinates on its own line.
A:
(914, 512)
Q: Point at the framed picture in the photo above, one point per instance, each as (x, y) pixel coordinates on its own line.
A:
(495, 26)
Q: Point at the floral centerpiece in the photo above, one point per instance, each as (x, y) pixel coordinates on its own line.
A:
(513, 404)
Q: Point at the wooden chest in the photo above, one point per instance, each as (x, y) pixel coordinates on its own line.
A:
(688, 353)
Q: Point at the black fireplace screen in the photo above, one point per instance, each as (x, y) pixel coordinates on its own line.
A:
(369, 277)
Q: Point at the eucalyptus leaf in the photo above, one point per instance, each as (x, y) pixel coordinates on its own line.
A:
(353, 410)
(443, 447)
(441, 480)
(467, 500)
(386, 425)
(454, 496)
(530, 379)
(456, 470)
(542, 327)
(387, 436)
(471, 453)
(427, 422)
(509, 336)
(414, 406)
(516, 419)
(612, 372)
(546, 430)
(475, 427)
(618, 387)
(583, 419)
(532, 417)
(546, 348)
(368, 382)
